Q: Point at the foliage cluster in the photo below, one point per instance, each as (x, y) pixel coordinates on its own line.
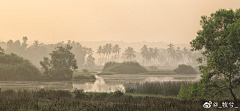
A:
(61, 64)
(124, 68)
(14, 67)
(106, 50)
(185, 69)
(37, 51)
(220, 38)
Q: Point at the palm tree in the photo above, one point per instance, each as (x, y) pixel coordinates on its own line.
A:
(104, 52)
(99, 52)
(150, 54)
(116, 51)
(130, 53)
(109, 50)
(186, 53)
(179, 56)
(155, 53)
(162, 57)
(144, 52)
(171, 51)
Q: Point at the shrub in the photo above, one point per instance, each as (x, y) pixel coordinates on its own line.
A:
(184, 69)
(79, 93)
(124, 68)
(13, 67)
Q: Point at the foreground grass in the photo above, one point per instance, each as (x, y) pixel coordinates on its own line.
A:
(79, 101)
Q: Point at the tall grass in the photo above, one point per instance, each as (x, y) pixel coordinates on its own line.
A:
(64, 100)
(168, 88)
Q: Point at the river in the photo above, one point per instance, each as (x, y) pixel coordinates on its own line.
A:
(103, 83)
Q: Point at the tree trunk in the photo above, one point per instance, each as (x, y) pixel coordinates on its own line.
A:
(235, 99)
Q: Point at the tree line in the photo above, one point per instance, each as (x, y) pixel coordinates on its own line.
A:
(84, 55)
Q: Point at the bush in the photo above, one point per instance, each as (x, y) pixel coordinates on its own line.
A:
(79, 93)
(184, 69)
(13, 67)
(124, 68)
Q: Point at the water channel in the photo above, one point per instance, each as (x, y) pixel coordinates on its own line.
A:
(103, 83)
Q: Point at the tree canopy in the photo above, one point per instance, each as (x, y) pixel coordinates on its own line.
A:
(220, 36)
(62, 63)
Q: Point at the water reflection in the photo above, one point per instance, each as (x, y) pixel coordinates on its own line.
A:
(103, 83)
(35, 85)
(99, 86)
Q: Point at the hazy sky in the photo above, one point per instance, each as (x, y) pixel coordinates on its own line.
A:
(175, 21)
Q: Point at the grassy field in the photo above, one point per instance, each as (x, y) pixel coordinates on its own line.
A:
(79, 101)
(144, 97)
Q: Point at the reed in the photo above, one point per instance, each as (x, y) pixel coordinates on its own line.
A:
(168, 88)
(64, 100)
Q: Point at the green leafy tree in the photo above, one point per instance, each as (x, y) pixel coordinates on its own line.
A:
(220, 36)
(62, 63)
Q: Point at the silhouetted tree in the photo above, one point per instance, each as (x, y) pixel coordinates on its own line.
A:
(61, 64)
(90, 61)
(172, 52)
(144, 53)
(100, 52)
(116, 50)
(130, 53)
